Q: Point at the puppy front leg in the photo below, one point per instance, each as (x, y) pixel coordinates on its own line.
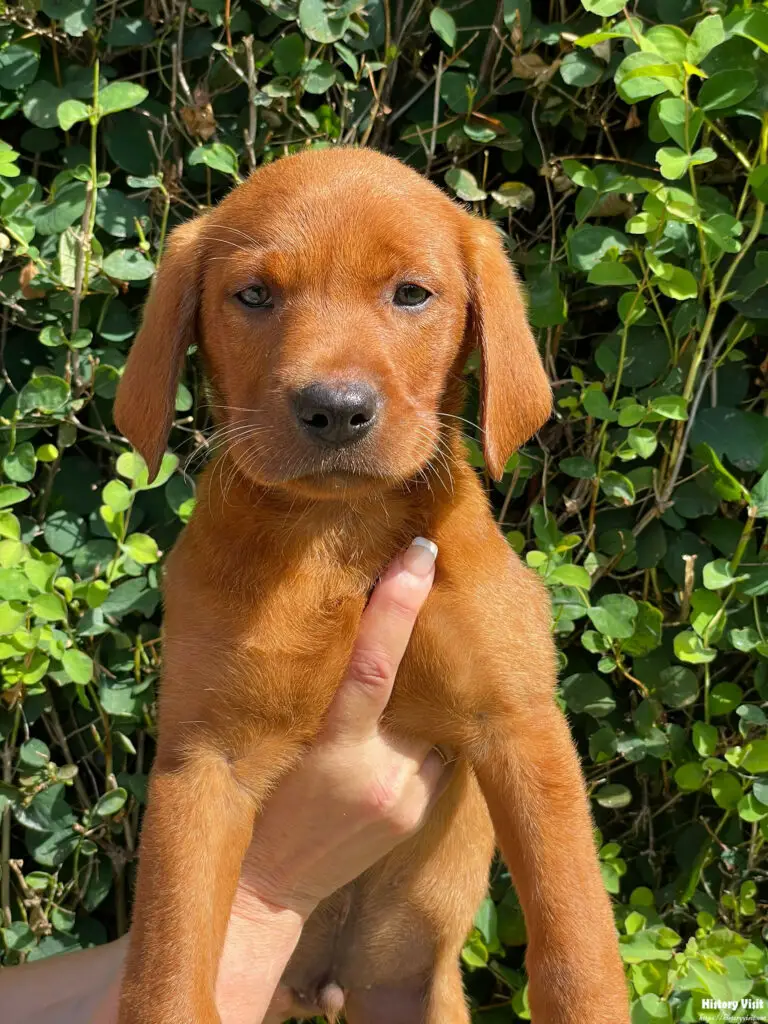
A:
(532, 781)
(196, 830)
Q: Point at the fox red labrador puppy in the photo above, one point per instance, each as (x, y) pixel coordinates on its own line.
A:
(334, 298)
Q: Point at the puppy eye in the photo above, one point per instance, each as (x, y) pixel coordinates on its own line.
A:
(411, 295)
(258, 296)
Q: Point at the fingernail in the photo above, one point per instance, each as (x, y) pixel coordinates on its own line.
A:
(420, 556)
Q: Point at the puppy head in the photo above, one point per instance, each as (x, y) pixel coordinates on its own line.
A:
(334, 296)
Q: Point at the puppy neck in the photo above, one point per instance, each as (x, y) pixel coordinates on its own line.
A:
(365, 529)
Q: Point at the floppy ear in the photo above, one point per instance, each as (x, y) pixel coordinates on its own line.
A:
(515, 396)
(146, 395)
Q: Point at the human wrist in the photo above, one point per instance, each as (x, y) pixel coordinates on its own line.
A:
(262, 901)
(262, 906)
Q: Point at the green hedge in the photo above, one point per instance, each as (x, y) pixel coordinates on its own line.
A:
(623, 150)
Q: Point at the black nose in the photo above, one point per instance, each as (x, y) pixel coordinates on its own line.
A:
(338, 413)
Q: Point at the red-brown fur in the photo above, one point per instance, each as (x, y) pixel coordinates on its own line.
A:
(265, 588)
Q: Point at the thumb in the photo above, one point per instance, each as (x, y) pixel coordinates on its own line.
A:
(385, 629)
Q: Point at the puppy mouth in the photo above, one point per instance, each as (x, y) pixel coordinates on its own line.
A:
(372, 463)
(342, 475)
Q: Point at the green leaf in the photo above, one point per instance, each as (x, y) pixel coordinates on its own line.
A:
(517, 14)
(690, 777)
(726, 790)
(49, 607)
(120, 96)
(580, 69)
(707, 34)
(142, 548)
(596, 403)
(52, 849)
(642, 441)
(78, 666)
(41, 102)
(587, 692)
(11, 616)
(588, 245)
(642, 223)
(617, 487)
(320, 22)
(690, 647)
(725, 698)
(611, 273)
(726, 89)
(726, 485)
(110, 803)
(671, 407)
(20, 465)
(614, 796)
(758, 497)
(682, 121)
(70, 112)
(464, 185)
(752, 24)
(288, 54)
(704, 739)
(758, 179)
(12, 495)
(45, 393)
(126, 31)
(217, 156)
(651, 1009)
(444, 25)
(614, 616)
(673, 162)
(515, 195)
(647, 633)
(117, 213)
(19, 63)
(677, 283)
(668, 40)
(34, 754)
(756, 757)
(570, 575)
(548, 306)
(318, 76)
(132, 466)
(581, 175)
(128, 265)
(643, 75)
(717, 574)
(705, 608)
(117, 496)
(678, 687)
(605, 8)
(579, 467)
(64, 531)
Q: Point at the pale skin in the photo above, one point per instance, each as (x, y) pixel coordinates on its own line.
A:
(356, 794)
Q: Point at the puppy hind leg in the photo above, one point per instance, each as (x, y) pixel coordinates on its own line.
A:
(439, 1000)
(447, 1003)
(388, 1004)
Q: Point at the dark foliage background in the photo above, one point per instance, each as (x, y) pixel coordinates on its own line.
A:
(623, 150)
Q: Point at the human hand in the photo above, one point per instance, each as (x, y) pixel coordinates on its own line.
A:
(359, 791)
(354, 796)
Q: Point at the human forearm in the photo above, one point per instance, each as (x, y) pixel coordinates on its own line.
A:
(62, 989)
(83, 986)
(260, 940)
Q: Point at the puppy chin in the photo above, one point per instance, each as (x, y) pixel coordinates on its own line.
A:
(340, 476)
(336, 486)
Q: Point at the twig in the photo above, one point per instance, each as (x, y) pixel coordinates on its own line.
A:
(250, 133)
